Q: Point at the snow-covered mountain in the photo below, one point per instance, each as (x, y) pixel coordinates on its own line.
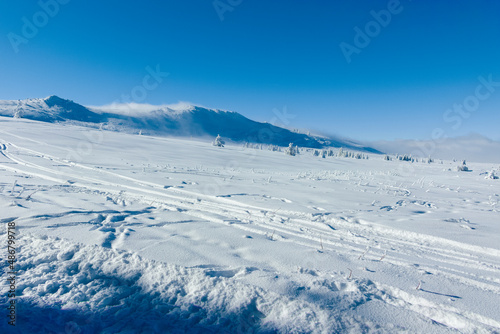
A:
(51, 109)
(178, 120)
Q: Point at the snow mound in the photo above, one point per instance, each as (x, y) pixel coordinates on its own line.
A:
(90, 289)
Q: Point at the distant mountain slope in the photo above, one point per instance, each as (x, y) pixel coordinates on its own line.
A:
(473, 147)
(182, 120)
(51, 109)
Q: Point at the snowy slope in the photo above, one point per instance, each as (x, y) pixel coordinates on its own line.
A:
(178, 120)
(127, 233)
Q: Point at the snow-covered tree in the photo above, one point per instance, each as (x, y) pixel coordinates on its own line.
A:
(491, 175)
(340, 153)
(405, 158)
(463, 167)
(290, 150)
(218, 142)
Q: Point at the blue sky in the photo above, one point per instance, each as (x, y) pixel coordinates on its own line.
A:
(269, 55)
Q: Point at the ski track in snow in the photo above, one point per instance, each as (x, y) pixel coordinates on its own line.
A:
(159, 296)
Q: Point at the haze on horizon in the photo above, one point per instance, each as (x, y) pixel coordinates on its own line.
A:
(370, 70)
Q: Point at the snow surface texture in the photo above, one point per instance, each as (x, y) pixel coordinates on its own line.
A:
(122, 233)
(167, 120)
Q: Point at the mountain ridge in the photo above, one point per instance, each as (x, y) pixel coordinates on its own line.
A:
(178, 120)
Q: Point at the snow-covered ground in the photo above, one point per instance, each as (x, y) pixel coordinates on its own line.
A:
(120, 233)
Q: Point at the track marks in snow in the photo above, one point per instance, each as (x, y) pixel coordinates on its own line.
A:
(283, 225)
(348, 237)
(404, 203)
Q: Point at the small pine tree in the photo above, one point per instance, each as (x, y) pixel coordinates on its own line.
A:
(463, 167)
(218, 142)
(405, 158)
(340, 153)
(290, 150)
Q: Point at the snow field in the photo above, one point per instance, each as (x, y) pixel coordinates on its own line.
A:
(229, 239)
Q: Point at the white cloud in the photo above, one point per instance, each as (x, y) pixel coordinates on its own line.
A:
(135, 109)
(473, 147)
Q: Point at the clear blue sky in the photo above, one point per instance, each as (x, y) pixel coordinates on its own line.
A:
(266, 55)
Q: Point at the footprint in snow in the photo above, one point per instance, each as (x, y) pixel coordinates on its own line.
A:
(317, 208)
(467, 227)
(108, 240)
(228, 273)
